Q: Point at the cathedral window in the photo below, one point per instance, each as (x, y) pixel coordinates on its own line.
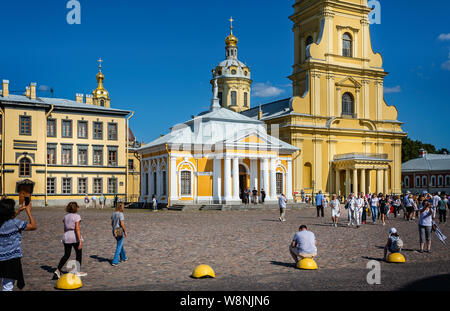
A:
(245, 99)
(348, 107)
(233, 98)
(347, 45)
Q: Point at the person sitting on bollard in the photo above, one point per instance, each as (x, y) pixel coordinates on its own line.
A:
(304, 245)
(394, 243)
(11, 243)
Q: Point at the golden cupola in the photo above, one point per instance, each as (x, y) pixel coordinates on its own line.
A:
(100, 94)
(231, 40)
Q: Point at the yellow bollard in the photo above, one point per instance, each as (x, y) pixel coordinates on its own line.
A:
(203, 271)
(69, 281)
(396, 258)
(307, 264)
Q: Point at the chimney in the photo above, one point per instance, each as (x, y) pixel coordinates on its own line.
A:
(79, 98)
(5, 88)
(89, 99)
(27, 91)
(33, 90)
(422, 153)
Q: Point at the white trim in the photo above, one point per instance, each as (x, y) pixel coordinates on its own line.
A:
(190, 196)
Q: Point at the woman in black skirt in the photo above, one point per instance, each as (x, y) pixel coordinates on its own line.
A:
(11, 243)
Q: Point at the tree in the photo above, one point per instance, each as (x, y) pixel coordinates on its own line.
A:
(410, 149)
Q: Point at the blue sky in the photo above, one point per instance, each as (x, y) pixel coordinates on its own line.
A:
(158, 55)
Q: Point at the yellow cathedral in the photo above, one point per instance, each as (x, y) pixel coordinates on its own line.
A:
(349, 139)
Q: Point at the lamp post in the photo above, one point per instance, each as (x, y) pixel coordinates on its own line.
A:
(313, 200)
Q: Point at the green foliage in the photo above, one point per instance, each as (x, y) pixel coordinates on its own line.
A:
(410, 149)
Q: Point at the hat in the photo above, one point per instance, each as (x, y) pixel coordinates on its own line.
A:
(392, 231)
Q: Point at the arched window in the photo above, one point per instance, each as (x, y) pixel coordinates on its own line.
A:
(424, 181)
(447, 181)
(348, 104)
(25, 168)
(220, 94)
(245, 99)
(433, 181)
(347, 45)
(406, 181)
(279, 183)
(233, 98)
(417, 182)
(440, 181)
(185, 180)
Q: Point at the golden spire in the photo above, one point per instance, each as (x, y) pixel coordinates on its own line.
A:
(231, 40)
(100, 91)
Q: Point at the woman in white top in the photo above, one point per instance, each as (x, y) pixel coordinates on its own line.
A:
(335, 205)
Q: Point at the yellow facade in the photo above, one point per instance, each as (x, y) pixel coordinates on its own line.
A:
(349, 138)
(66, 148)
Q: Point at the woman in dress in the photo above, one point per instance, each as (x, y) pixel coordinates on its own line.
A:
(335, 206)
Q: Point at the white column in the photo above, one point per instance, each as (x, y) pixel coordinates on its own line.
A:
(158, 180)
(142, 181)
(217, 180)
(150, 182)
(338, 181)
(355, 181)
(273, 179)
(369, 181)
(253, 174)
(173, 179)
(289, 194)
(227, 178)
(235, 178)
(265, 170)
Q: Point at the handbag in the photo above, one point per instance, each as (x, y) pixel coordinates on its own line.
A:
(118, 232)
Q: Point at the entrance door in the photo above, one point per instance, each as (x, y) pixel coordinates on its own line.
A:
(242, 181)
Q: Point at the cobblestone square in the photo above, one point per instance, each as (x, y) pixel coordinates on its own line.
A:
(247, 249)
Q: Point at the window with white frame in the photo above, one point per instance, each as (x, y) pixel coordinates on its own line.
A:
(440, 181)
(424, 181)
(67, 185)
(164, 182)
(112, 185)
(98, 186)
(433, 181)
(185, 183)
(417, 181)
(51, 185)
(447, 181)
(406, 181)
(82, 185)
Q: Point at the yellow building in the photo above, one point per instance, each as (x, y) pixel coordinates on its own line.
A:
(133, 169)
(66, 148)
(349, 138)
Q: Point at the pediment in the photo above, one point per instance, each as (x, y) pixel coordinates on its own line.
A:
(349, 82)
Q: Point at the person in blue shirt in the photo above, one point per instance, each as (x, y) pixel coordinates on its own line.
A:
(319, 204)
(11, 243)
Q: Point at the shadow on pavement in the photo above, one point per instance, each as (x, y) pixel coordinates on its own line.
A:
(283, 264)
(100, 259)
(48, 269)
(373, 258)
(434, 283)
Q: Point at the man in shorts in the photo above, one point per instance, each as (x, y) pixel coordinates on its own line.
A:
(304, 245)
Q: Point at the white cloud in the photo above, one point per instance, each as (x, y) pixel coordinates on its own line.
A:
(444, 37)
(395, 89)
(266, 90)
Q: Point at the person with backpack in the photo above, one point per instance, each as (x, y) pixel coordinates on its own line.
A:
(394, 243)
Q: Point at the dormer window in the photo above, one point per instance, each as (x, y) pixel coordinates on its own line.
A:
(347, 45)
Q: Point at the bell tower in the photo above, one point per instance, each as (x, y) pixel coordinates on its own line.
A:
(100, 94)
(232, 77)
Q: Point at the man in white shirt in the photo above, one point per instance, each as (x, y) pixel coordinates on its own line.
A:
(359, 205)
(282, 204)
